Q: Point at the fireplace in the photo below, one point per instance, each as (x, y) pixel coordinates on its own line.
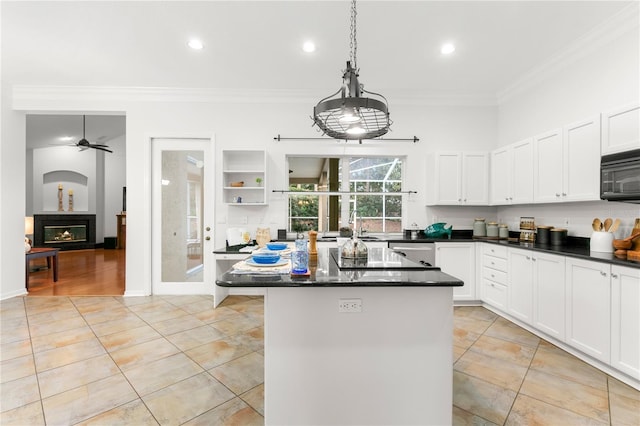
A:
(64, 231)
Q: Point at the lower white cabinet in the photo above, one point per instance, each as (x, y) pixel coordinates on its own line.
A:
(625, 320)
(493, 288)
(588, 307)
(520, 287)
(458, 260)
(549, 294)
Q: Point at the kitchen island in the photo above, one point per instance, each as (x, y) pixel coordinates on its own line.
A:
(357, 343)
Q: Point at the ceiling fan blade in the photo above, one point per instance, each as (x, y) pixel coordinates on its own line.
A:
(99, 144)
(101, 148)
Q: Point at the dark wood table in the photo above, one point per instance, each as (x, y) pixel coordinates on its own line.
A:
(49, 254)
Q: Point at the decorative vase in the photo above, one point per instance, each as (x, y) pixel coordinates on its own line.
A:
(263, 236)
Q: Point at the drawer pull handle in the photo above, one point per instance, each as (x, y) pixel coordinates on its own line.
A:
(604, 274)
(614, 276)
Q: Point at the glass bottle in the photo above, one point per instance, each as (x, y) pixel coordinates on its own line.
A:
(300, 257)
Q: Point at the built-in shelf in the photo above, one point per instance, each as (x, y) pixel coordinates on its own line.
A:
(244, 166)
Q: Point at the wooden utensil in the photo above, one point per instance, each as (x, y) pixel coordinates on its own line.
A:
(632, 236)
(607, 224)
(615, 226)
(596, 225)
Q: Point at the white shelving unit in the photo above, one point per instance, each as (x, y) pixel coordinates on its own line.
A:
(244, 166)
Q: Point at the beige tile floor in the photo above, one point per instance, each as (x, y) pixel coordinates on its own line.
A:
(174, 360)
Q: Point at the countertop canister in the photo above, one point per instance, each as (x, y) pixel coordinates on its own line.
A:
(503, 231)
(558, 236)
(479, 227)
(492, 229)
(544, 234)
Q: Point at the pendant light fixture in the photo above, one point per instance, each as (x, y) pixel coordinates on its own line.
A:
(346, 114)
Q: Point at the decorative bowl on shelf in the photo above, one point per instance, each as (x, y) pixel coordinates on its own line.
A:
(265, 258)
(236, 184)
(277, 246)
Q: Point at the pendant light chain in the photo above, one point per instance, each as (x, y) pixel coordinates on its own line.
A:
(354, 43)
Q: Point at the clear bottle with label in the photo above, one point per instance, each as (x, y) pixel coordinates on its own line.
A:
(300, 258)
(479, 228)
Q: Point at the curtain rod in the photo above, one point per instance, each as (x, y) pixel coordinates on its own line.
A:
(280, 138)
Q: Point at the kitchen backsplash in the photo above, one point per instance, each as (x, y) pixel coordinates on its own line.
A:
(575, 217)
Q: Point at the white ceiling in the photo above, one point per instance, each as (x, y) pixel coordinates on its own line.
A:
(257, 45)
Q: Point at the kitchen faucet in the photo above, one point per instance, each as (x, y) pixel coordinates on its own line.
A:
(352, 220)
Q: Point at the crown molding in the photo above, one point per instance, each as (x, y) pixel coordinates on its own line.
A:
(36, 97)
(628, 19)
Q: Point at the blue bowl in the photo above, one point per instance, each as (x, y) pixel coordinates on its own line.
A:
(265, 258)
(277, 246)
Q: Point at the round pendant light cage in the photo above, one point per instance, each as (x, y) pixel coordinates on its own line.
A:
(346, 114)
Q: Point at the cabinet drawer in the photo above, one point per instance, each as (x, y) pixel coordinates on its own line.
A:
(495, 250)
(494, 275)
(494, 294)
(494, 262)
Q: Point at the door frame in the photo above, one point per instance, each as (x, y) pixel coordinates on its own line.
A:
(208, 256)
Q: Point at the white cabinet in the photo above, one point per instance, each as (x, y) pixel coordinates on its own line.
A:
(547, 167)
(566, 163)
(549, 294)
(581, 160)
(458, 178)
(458, 260)
(520, 285)
(537, 290)
(625, 320)
(493, 289)
(248, 167)
(512, 174)
(588, 307)
(621, 129)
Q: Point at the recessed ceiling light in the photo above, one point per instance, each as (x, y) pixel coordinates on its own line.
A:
(447, 48)
(309, 46)
(195, 44)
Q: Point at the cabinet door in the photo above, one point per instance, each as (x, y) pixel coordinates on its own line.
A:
(547, 167)
(621, 129)
(581, 155)
(549, 294)
(520, 286)
(458, 260)
(588, 298)
(475, 178)
(625, 320)
(522, 172)
(501, 176)
(448, 178)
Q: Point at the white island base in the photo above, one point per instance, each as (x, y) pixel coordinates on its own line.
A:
(391, 364)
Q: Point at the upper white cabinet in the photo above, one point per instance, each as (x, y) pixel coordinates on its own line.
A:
(512, 174)
(248, 167)
(458, 178)
(621, 129)
(581, 157)
(459, 260)
(566, 163)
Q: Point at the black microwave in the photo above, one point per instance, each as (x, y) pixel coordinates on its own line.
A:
(620, 177)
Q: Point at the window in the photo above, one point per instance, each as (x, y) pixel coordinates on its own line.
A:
(325, 192)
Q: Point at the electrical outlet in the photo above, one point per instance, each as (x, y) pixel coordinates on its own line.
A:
(349, 305)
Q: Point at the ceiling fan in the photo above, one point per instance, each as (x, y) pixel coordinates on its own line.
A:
(84, 143)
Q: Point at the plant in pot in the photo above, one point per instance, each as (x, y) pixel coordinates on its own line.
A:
(258, 181)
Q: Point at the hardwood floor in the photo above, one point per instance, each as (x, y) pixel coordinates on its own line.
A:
(96, 272)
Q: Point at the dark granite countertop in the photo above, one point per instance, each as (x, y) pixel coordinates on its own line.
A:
(576, 247)
(388, 269)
